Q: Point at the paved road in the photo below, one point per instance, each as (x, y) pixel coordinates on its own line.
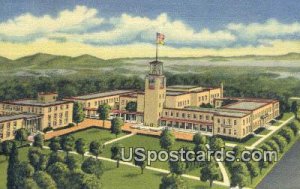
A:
(286, 173)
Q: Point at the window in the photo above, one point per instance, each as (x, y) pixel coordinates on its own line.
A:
(234, 122)
(166, 113)
(218, 129)
(218, 120)
(183, 115)
(195, 116)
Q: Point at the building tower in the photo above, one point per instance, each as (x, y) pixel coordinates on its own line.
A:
(155, 94)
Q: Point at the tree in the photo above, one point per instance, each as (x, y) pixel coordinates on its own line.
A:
(253, 170)
(29, 183)
(54, 144)
(71, 162)
(116, 126)
(294, 108)
(96, 148)
(294, 127)
(91, 182)
(172, 182)
(13, 162)
(79, 180)
(93, 166)
(80, 147)
(273, 145)
(131, 106)
(216, 144)
(261, 163)
(59, 172)
(6, 148)
(23, 171)
(281, 141)
(67, 143)
(116, 153)
(167, 139)
(38, 141)
(210, 173)
(208, 105)
(287, 133)
(140, 161)
(199, 139)
(37, 159)
(201, 152)
(239, 175)
(239, 180)
(78, 113)
(103, 112)
(238, 150)
(21, 135)
(44, 180)
(55, 157)
(177, 167)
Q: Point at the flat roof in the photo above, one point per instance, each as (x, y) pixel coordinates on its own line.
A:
(18, 116)
(246, 105)
(175, 93)
(221, 112)
(36, 102)
(101, 94)
(31, 102)
(182, 86)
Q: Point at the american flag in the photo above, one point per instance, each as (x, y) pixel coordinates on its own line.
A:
(160, 38)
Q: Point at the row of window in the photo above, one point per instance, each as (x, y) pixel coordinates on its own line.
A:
(226, 131)
(60, 115)
(188, 115)
(58, 123)
(105, 101)
(183, 103)
(61, 107)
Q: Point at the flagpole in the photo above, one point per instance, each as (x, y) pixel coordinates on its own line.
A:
(156, 51)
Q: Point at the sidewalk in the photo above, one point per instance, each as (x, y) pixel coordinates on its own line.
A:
(273, 129)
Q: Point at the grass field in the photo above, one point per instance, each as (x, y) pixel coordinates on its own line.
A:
(124, 177)
(149, 143)
(265, 132)
(97, 134)
(249, 142)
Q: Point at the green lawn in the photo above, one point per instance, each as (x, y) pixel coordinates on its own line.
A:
(249, 142)
(98, 134)
(286, 116)
(124, 177)
(264, 132)
(147, 142)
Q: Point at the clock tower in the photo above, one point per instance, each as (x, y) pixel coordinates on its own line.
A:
(155, 94)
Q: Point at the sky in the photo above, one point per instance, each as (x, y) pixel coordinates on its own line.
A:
(118, 28)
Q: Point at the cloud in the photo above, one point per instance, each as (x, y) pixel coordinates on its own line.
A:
(86, 26)
(128, 29)
(28, 26)
(271, 29)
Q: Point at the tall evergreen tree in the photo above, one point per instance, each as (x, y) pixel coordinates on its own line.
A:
(78, 113)
(116, 126)
(12, 165)
(103, 112)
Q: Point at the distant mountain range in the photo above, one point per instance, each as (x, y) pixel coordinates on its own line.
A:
(48, 60)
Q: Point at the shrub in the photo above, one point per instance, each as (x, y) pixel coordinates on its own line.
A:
(47, 129)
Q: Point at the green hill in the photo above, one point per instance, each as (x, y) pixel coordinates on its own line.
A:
(4, 60)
